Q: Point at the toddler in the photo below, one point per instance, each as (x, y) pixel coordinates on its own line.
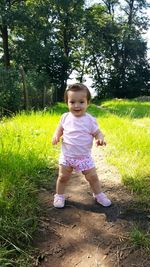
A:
(78, 129)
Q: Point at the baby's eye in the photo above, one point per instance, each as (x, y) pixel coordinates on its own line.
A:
(71, 102)
(81, 102)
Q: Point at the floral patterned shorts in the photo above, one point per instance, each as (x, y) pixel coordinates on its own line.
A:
(79, 164)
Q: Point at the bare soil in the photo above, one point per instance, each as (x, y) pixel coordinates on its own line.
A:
(85, 234)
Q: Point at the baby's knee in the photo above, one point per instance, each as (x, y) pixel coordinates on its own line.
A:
(63, 178)
(91, 177)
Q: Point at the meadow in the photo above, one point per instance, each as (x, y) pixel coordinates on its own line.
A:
(28, 161)
(128, 132)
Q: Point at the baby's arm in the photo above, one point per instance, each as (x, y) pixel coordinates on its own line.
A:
(58, 133)
(99, 138)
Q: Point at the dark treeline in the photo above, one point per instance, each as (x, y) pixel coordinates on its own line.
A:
(42, 42)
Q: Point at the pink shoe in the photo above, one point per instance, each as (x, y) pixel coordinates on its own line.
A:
(59, 201)
(102, 199)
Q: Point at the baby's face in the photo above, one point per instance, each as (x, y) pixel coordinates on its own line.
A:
(77, 103)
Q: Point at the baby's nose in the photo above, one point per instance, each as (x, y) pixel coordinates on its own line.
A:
(76, 105)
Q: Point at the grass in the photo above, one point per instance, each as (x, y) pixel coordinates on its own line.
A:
(140, 239)
(28, 161)
(128, 136)
(127, 129)
(127, 108)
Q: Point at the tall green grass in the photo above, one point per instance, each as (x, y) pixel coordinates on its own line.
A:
(128, 150)
(127, 128)
(127, 131)
(27, 161)
(128, 108)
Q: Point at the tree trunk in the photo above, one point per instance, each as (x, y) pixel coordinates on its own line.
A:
(25, 90)
(44, 97)
(4, 31)
(61, 91)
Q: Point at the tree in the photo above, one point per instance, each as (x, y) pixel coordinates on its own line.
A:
(119, 55)
(48, 39)
(100, 31)
(133, 52)
(68, 26)
(10, 10)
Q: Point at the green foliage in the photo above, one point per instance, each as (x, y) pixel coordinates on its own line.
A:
(10, 91)
(51, 39)
(40, 90)
(117, 51)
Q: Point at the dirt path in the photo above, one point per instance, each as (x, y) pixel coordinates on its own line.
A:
(84, 234)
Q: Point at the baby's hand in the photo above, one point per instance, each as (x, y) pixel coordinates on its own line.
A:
(55, 140)
(100, 142)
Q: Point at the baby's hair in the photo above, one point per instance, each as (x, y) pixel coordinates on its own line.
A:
(76, 87)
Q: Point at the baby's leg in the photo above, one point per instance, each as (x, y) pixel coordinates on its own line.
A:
(63, 177)
(92, 177)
